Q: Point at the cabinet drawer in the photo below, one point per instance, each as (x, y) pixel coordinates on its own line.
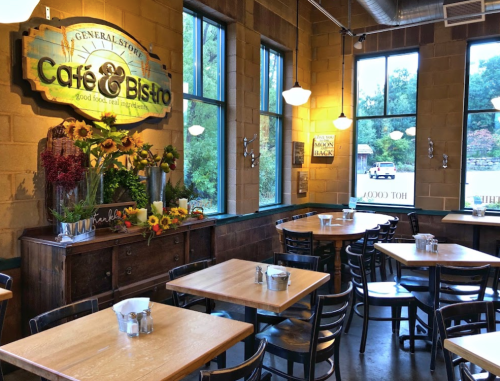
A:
(90, 273)
(139, 261)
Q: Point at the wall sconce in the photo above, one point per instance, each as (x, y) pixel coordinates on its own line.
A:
(431, 148)
(255, 159)
(16, 11)
(445, 161)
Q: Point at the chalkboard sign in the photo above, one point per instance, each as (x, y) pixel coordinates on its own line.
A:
(303, 181)
(106, 213)
(298, 152)
(324, 145)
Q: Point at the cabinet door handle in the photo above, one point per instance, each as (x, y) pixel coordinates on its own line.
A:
(128, 270)
(176, 240)
(176, 257)
(191, 251)
(128, 252)
(155, 289)
(108, 273)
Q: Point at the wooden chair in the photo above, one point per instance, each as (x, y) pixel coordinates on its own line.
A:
(298, 217)
(282, 220)
(453, 285)
(303, 244)
(312, 342)
(383, 294)
(6, 283)
(250, 370)
(467, 319)
(301, 310)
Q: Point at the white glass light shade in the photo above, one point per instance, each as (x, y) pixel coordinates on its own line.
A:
(496, 103)
(358, 45)
(411, 131)
(196, 130)
(342, 122)
(396, 135)
(296, 96)
(16, 11)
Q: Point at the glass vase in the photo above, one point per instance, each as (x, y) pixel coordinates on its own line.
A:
(63, 198)
(156, 181)
(95, 186)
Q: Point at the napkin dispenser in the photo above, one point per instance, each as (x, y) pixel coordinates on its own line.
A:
(123, 308)
(277, 278)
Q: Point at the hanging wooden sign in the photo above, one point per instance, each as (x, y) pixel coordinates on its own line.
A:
(96, 68)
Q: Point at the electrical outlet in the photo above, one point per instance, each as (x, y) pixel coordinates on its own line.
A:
(47, 13)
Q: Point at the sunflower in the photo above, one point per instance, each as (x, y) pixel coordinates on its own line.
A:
(108, 117)
(108, 146)
(153, 220)
(130, 211)
(183, 211)
(165, 222)
(127, 144)
(137, 138)
(82, 131)
(69, 127)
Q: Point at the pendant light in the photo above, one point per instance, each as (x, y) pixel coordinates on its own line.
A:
(343, 122)
(296, 96)
(496, 103)
(16, 11)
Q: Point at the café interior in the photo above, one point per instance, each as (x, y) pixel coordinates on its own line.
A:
(223, 190)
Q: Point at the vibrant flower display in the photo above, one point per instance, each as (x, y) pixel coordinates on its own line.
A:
(165, 222)
(69, 128)
(65, 171)
(153, 220)
(128, 144)
(82, 131)
(138, 141)
(108, 146)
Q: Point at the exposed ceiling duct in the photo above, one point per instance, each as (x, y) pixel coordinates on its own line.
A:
(403, 12)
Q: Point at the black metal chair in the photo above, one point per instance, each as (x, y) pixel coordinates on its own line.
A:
(452, 285)
(250, 370)
(465, 374)
(383, 294)
(282, 220)
(6, 283)
(302, 243)
(298, 216)
(470, 314)
(493, 294)
(415, 228)
(390, 238)
(312, 342)
(301, 310)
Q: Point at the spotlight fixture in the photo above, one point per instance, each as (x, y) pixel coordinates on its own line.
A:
(196, 130)
(296, 96)
(342, 122)
(359, 43)
(396, 135)
(16, 11)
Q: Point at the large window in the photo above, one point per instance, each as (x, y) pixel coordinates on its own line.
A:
(386, 119)
(203, 70)
(482, 133)
(271, 86)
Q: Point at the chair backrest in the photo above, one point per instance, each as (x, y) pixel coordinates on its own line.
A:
(298, 243)
(455, 284)
(297, 261)
(414, 222)
(52, 318)
(384, 232)
(392, 230)
(282, 220)
(298, 216)
(181, 299)
(496, 278)
(471, 315)
(465, 374)
(6, 283)
(330, 323)
(313, 213)
(251, 369)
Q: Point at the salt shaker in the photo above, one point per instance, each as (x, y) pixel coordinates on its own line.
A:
(147, 322)
(428, 245)
(434, 244)
(132, 325)
(258, 275)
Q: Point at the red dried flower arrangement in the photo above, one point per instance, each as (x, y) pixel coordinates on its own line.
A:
(65, 171)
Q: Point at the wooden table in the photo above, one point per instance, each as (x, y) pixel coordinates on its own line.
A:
(92, 348)
(5, 294)
(348, 230)
(481, 350)
(233, 281)
(469, 219)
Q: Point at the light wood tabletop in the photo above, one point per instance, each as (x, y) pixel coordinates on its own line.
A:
(449, 254)
(92, 348)
(233, 281)
(469, 219)
(481, 350)
(5, 294)
(341, 230)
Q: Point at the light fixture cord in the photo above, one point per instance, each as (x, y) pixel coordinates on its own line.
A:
(297, 47)
(343, 58)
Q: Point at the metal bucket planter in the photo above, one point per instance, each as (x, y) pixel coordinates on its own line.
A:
(156, 181)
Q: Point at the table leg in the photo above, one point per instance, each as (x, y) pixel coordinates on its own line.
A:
(250, 317)
(475, 237)
(338, 268)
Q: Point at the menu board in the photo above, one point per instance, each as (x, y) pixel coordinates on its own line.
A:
(298, 152)
(303, 181)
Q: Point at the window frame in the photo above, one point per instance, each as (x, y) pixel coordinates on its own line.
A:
(356, 118)
(264, 110)
(199, 18)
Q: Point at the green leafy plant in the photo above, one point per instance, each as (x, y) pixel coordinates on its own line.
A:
(177, 191)
(118, 182)
(79, 211)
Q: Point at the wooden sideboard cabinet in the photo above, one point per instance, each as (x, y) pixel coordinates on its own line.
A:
(110, 267)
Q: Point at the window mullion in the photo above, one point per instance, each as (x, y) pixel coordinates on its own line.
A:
(199, 57)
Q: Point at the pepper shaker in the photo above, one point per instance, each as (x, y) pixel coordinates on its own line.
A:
(147, 322)
(132, 325)
(258, 275)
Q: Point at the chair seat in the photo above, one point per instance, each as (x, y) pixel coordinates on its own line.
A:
(425, 300)
(386, 290)
(414, 283)
(229, 315)
(491, 295)
(292, 336)
(289, 313)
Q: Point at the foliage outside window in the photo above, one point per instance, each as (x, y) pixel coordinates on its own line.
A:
(271, 87)
(203, 105)
(386, 118)
(482, 133)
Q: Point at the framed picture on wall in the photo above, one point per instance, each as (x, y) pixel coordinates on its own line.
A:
(303, 181)
(324, 146)
(298, 152)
